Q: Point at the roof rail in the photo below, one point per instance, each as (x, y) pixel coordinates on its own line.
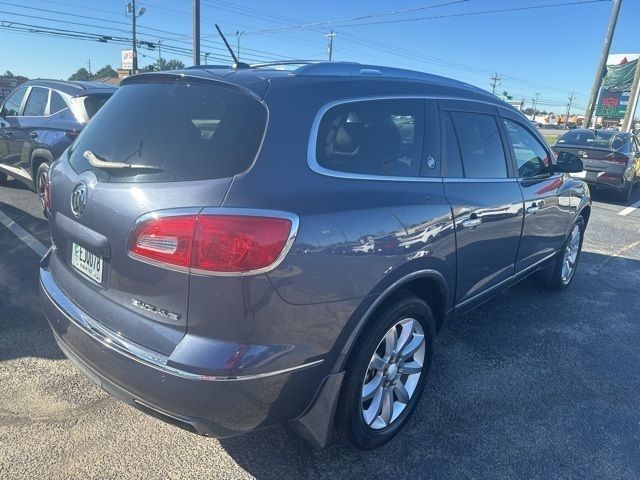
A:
(285, 62)
(353, 69)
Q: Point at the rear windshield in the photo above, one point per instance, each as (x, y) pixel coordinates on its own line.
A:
(601, 139)
(186, 131)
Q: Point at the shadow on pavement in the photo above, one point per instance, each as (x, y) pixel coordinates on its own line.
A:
(605, 195)
(23, 330)
(36, 226)
(531, 384)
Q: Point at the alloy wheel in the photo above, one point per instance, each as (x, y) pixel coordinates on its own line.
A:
(393, 374)
(571, 255)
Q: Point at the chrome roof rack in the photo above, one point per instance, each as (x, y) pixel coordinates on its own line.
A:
(284, 63)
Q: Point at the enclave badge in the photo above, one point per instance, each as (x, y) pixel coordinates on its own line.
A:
(153, 309)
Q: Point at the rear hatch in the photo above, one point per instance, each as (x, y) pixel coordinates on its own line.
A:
(179, 143)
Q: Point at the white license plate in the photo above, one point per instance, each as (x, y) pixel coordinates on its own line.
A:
(87, 262)
(581, 174)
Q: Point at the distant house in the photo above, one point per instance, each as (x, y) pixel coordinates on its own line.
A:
(115, 81)
(7, 84)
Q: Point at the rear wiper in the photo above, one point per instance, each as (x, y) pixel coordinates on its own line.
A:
(97, 162)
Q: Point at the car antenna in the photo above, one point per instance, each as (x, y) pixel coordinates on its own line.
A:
(236, 63)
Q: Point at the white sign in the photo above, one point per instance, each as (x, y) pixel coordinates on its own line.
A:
(127, 59)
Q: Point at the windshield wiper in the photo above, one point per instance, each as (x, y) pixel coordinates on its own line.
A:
(97, 162)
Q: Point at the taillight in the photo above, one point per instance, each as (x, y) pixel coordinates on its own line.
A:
(215, 243)
(166, 240)
(618, 158)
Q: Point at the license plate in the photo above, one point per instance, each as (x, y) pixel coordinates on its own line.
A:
(87, 262)
(581, 174)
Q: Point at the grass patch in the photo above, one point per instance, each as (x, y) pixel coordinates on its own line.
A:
(551, 139)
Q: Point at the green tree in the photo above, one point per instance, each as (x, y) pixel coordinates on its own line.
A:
(106, 71)
(20, 78)
(163, 64)
(81, 75)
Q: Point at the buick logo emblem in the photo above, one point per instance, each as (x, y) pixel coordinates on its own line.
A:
(79, 199)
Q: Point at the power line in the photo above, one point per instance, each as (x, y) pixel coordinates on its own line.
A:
(483, 12)
(362, 17)
(433, 17)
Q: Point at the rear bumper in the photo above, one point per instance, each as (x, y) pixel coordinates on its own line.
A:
(209, 404)
(606, 179)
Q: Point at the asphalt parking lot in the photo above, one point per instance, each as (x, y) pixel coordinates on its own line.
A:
(532, 384)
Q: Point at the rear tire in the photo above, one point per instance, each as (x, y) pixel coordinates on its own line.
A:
(42, 175)
(386, 373)
(624, 195)
(559, 274)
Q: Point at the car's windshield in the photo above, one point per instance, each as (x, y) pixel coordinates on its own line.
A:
(601, 139)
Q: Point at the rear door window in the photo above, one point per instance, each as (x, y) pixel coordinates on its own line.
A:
(36, 103)
(373, 137)
(480, 145)
(187, 131)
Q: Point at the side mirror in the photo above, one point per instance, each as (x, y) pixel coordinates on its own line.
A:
(568, 163)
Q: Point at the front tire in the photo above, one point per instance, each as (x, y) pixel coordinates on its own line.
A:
(386, 373)
(564, 267)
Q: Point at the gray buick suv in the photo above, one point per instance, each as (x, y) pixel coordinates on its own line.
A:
(239, 247)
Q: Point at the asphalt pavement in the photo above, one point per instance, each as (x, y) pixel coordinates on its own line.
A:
(532, 384)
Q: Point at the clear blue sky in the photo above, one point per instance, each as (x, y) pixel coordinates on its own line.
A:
(549, 50)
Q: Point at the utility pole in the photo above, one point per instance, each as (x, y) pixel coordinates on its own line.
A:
(627, 123)
(89, 67)
(135, 13)
(196, 32)
(134, 65)
(206, 54)
(330, 37)
(593, 98)
(566, 119)
(495, 81)
(238, 35)
(535, 101)
(160, 51)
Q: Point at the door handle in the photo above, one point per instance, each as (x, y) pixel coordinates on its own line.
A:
(472, 222)
(34, 134)
(8, 132)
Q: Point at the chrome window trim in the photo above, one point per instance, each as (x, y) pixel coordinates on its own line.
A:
(251, 212)
(479, 180)
(312, 161)
(119, 344)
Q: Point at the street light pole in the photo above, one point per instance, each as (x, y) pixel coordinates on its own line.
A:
(593, 98)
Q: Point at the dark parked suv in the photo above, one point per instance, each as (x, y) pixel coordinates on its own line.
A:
(39, 120)
(234, 248)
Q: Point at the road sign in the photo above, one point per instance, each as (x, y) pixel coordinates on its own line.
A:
(127, 59)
